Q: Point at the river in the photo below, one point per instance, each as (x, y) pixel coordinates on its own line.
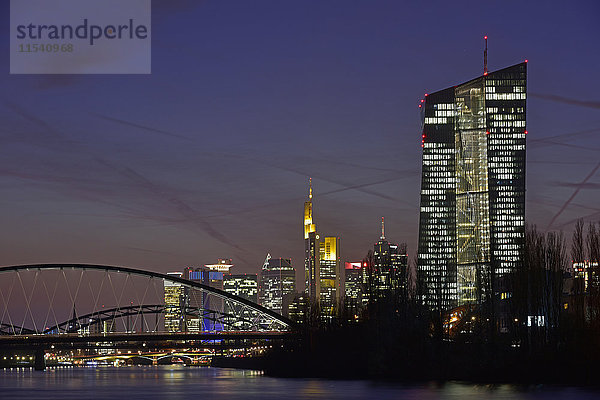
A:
(179, 382)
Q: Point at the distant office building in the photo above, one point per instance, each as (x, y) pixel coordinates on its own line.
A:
(175, 302)
(210, 275)
(311, 239)
(196, 300)
(109, 326)
(390, 264)
(242, 285)
(277, 279)
(217, 270)
(472, 217)
(353, 285)
(298, 308)
(586, 272)
(246, 287)
(329, 273)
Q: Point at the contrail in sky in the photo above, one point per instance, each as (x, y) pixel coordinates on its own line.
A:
(139, 126)
(187, 213)
(579, 187)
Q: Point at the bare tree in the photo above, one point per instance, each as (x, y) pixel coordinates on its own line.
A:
(577, 243)
(593, 251)
(578, 255)
(538, 284)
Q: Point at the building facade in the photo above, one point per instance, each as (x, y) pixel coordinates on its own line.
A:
(210, 275)
(242, 285)
(329, 276)
(311, 261)
(175, 302)
(353, 287)
(472, 211)
(277, 280)
(390, 265)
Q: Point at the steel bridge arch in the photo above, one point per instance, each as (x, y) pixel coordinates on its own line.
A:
(280, 319)
(109, 314)
(8, 329)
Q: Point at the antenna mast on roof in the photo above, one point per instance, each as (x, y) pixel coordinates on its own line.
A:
(485, 70)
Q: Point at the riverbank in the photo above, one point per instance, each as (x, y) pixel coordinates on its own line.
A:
(425, 360)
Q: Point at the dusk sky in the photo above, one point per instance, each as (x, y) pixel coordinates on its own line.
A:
(210, 155)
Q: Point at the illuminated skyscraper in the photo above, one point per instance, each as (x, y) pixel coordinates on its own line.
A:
(277, 280)
(472, 221)
(210, 275)
(175, 302)
(390, 264)
(242, 285)
(311, 266)
(329, 273)
(353, 287)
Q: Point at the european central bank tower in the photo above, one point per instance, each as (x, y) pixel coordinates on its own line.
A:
(472, 216)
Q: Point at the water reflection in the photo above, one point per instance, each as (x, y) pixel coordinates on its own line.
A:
(178, 382)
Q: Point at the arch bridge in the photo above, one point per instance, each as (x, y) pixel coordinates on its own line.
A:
(34, 296)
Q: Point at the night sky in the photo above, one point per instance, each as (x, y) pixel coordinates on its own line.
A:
(209, 156)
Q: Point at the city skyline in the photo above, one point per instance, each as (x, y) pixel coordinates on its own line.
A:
(103, 169)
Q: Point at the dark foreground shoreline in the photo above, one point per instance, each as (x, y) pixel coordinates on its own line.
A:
(429, 362)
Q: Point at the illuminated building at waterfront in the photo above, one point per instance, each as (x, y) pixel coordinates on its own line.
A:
(329, 272)
(353, 287)
(297, 310)
(242, 285)
(390, 265)
(277, 280)
(210, 275)
(311, 262)
(472, 212)
(587, 272)
(175, 302)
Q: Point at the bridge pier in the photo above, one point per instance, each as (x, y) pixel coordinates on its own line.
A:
(39, 363)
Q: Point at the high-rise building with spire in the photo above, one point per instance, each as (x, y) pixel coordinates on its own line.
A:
(390, 264)
(472, 221)
(311, 257)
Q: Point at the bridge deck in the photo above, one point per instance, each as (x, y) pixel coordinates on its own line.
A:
(48, 340)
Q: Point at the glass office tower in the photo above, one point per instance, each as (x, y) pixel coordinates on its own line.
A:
(472, 217)
(311, 256)
(329, 276)
(277, 280)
